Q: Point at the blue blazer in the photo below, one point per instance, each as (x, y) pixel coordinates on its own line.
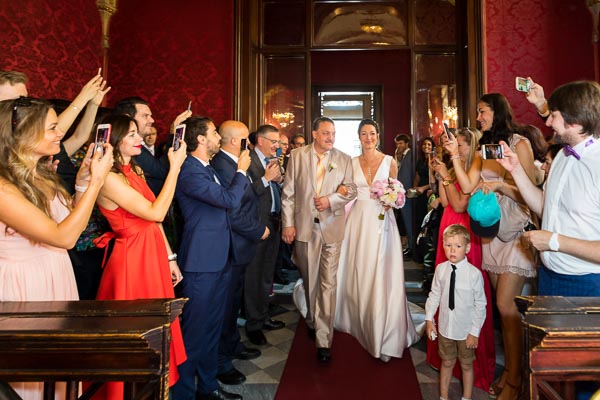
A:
(245, 222)
(204, 203)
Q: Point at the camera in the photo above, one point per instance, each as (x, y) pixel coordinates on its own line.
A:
(492, 151)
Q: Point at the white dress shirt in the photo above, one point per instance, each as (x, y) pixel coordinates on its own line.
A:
(469, 299)
(572, 205)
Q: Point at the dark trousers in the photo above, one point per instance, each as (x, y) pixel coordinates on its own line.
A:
(259, 279)
(230, 343)
(202, 322)
(87, 267)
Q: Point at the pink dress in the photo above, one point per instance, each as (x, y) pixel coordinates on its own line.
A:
(35, 272)
(485, 362)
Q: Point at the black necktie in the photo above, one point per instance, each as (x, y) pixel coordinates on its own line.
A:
(275, 190)
(212, 171)
(451, 291)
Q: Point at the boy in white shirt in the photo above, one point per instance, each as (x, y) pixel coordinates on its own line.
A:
(461, 310)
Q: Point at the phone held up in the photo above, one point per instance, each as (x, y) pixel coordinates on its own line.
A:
(179, 135)
(447, 130)
(492, 151)
(244, 144)
(522, 84)
(102, 136)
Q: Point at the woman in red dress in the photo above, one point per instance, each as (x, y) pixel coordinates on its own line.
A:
(141, 264)
(455, 212)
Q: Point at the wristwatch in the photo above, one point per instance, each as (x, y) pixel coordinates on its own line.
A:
(446, 182)
(553, 243)
(172, 257)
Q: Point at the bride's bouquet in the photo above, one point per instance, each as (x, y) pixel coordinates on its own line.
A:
(389, 192)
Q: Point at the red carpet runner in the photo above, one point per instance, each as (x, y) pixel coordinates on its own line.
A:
(351, 374)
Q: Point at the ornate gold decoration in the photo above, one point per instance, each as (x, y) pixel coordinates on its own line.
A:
(106, 8)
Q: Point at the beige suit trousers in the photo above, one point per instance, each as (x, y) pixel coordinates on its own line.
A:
(318, 265)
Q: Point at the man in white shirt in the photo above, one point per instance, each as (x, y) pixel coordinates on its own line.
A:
(570, 202)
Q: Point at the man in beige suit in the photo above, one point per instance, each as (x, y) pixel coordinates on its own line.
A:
(318, 184)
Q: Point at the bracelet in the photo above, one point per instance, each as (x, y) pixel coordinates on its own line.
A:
(172, 257)
(80, 189)
(454, 157)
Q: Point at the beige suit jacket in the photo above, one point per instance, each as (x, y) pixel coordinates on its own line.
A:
(300, 188)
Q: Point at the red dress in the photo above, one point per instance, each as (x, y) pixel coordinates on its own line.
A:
(138, 268)
(485, 354)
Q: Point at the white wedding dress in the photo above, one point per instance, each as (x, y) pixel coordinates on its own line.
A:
(371, 298)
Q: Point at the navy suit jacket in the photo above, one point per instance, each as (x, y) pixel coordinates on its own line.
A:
(245, 222)
(204, 203)
(155, 169)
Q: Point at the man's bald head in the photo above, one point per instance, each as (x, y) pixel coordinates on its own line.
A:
(232, 133)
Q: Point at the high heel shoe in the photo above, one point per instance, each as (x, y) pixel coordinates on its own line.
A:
(495, 387)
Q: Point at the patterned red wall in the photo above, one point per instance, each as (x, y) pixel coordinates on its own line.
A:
(56, 43)
(171, 52)
(549, 40)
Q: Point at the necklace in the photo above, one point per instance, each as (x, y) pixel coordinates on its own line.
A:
(368, 165)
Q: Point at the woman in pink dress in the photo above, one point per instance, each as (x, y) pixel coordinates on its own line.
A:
(455, 212)
(141, 265)
(38, 218)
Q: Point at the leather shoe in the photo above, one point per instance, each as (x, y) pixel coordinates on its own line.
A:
(323, 354)
(248, 354)
(232, 377)
(408, 255)
(256, 337)
(219, 394)
(273, 324)
(312, 333)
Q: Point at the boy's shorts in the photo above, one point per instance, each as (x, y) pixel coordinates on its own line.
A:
(450, 349)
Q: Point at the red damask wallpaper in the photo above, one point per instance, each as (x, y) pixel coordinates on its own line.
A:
(171, 52)
(56, 43)
(549, 40)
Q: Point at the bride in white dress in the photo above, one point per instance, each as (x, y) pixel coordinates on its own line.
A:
(371, 298)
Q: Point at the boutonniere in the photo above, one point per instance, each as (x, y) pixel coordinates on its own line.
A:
(332, 166)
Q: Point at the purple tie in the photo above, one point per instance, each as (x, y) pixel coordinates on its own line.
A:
(569, 151)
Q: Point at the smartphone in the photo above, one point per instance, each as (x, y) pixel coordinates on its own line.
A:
(244, 144)
(522, 84)
(179, 135)
(492, 151)
(189, 106)
(278, 152)
(102, 136)
(447, 130)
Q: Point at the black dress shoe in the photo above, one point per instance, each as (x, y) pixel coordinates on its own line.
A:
(233, 377)
(219, 394)
(323, 354)
(312, 333)
(273, 324)
(408, 255)
(256, 337)
(248, 354)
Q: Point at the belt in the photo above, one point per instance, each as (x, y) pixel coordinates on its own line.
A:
(316, 220)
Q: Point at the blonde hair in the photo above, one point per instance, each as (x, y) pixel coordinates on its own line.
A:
(457, 230)
(22, 128)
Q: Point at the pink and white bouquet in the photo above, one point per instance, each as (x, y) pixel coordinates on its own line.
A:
(389, 192)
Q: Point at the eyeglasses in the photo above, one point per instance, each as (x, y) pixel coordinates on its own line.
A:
(20, 102)
(270, 140)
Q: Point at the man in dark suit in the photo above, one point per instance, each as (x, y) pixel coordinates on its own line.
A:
(204, 258)
(265, 173)
(155, 169)
(248, 230)
(406, 176)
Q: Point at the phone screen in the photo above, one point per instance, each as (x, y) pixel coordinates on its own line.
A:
(492, 151)
(102, 136)
(278, 152)
(522, 84)
(179, 135)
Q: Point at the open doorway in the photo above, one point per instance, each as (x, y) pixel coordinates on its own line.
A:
(347, 106)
